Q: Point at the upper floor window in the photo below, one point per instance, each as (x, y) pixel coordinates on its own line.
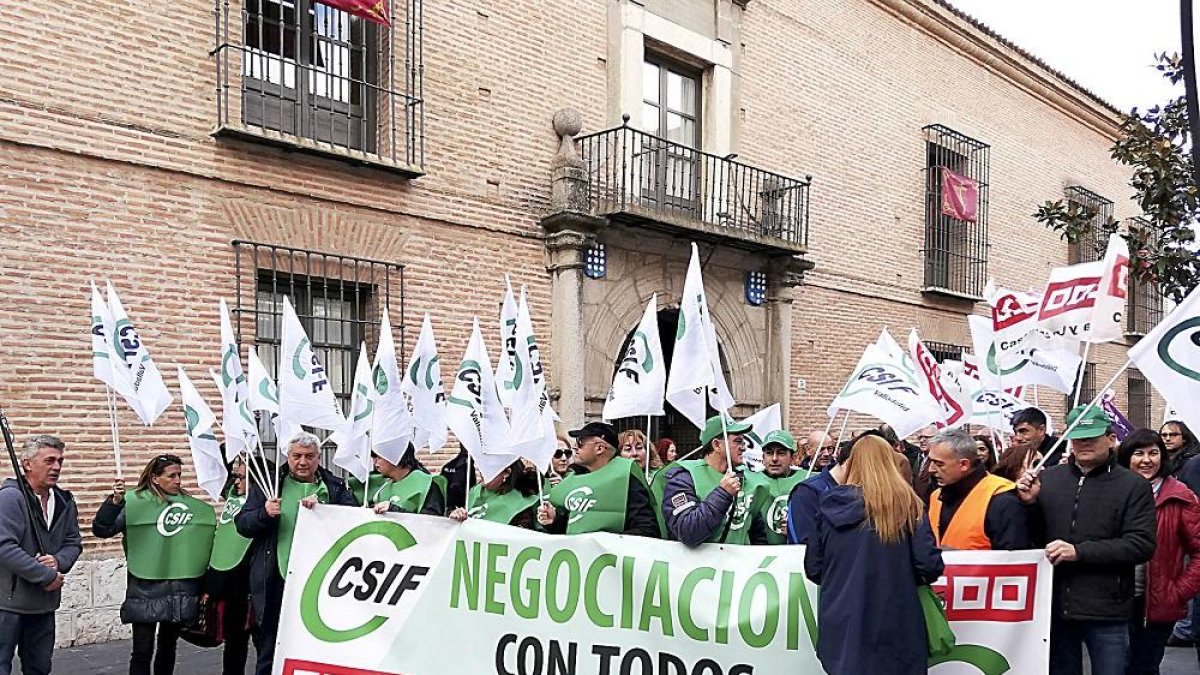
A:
(956, 208)
(1089, 247)
(308, 74)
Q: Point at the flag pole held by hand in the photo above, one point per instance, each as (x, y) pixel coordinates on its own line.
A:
(1092, 404)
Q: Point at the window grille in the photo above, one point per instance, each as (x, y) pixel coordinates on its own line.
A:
(956, 250)
(1085, 384)
(1139, 398)
(1144, 309)
(338, 299)
(945, 351)
(1090, 247)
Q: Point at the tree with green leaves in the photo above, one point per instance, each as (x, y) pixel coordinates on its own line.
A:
(1155, 144)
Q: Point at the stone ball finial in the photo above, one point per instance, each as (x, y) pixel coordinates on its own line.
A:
(625, 119)
(568, 122)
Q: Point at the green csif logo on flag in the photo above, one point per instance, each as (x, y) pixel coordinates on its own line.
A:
(371, 583)
(1184, 341)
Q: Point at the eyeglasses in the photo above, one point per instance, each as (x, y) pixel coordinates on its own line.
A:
(1170, 434)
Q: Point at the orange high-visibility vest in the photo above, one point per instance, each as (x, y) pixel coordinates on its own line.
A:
(966, 532)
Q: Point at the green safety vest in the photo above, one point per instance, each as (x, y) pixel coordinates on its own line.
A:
(596, 501)
(170, 539)
(410, 492)
(356, 487)
(229, 547)
(290, 494)
(498, 507)
(772, 503)
(706, 479)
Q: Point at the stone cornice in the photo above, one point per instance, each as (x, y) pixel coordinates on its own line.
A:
(1020, 68)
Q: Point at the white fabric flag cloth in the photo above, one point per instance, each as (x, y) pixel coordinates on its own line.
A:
(1108, 312)
(231, 357)
(474, 412)
(640, 383)
(533, 435)
(264, 394)
(696, 377)
(995, 409)
(423, 385)
(1054, 368)
(354, 440)
(942, 385)
(1069, 300)
(506, 366)
(236, 419)
(884, 389)
(209, 465)
(106, 360)
(761, 423)
(1014, 317)
(305, 392)
(238, 423)
(1169, 356)
(392, 424)
(148, 385)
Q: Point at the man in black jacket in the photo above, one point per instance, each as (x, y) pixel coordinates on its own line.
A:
(1029, 429)
(266, 522)
(1100, 523)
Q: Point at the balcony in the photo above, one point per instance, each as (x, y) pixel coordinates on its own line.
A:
(640, 179)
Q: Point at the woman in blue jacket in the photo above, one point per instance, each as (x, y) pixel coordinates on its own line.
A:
(873, 547)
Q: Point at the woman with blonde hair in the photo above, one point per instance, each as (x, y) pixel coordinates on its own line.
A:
(635, 446)
(871, 551)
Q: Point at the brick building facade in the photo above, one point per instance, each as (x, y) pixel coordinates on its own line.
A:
(252, 148)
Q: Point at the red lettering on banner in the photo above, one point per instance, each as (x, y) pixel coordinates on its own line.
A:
(932, 372)
(1009, 312)
(1118, 286)
(1066, 296)
(295, 667)
(1002, 593)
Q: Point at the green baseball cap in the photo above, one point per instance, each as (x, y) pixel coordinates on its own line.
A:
(781, 437)
(1094, 423)
(713, 428)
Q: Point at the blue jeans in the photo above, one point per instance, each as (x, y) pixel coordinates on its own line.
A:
(1183, 627)
(31, 636)
(1107, 644)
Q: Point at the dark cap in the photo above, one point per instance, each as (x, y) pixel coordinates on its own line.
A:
(596, 430)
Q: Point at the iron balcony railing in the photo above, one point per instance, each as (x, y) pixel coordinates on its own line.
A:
(304, 75)
(643, 176)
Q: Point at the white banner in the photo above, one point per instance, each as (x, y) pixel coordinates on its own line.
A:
(885, 387)
(419, 595)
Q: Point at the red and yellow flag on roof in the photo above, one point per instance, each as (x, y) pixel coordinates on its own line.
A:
(371, 10)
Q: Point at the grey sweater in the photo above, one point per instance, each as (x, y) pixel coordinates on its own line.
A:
(21, 575)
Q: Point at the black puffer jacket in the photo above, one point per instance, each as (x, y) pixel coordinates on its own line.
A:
(1108, 515)
(146, 601)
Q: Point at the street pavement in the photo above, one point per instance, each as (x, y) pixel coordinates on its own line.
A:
(110, 658)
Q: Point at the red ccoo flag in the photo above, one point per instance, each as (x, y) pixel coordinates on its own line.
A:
(371, 10)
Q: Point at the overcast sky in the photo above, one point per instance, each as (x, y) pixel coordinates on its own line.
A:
(1108, 46)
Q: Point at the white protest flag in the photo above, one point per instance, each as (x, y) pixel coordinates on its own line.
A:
(148, 385)
(995, 409)
(533, 434)
(1108, 312)
(305, 393)
(506, 367)
(237, 422)
(640, 383)
(1069, 300)
(423, 385)
(353, 440)
(106, 360)
(696, 377)
(231, 357)
(1168, 356)
(474, 412)
(209, 465)
(1014, 317)
(882, 387)
(761, 423)
(942, 385)
(392, 425)
(1054, 368)
(263, 393)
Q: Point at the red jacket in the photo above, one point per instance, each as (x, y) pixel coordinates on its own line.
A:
(1169, 583)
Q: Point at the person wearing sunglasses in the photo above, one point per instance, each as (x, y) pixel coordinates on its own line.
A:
(705, 499)
(560, 466)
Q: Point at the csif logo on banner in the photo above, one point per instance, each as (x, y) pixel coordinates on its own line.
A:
(883, 376)
(1179, 348)
(173, 519)
(370, 584)
(579, 501)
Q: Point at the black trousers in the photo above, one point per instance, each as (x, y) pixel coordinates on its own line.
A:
(268, 628)
(235, 618)
(148, 646)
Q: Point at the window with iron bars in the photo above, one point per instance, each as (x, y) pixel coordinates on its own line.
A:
(945, 351)
(338, 299)
(306, 75)
(1090, 247)
(1144, 307)
(956, 250)
(1085, 384)
(1140, 414)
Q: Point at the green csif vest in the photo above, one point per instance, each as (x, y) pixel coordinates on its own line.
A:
(498, 507)
(596, 501)
(229, 547)
(356, 487)
(167, 540)
(410, 492)
(290, 494)
(772, 503)
(706, 480)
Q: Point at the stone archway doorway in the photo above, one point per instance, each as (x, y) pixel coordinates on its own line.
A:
(673, 425)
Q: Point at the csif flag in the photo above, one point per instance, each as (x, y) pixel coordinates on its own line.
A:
(696, 379)
(423, 385)
(509, 375)
(148, 386)
(1169, 356)
(263, 393)
(391, 425)
(354, 439)
(211, 473)
(237, 421)
(305, 392)
(532, 434)
(107, 363)
(882, 387)
(474, 412)
(639, 385)
(761, 423)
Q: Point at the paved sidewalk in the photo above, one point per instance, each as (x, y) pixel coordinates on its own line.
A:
(111, 658)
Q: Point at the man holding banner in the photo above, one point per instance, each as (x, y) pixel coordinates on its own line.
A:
(271, 525)
(704, 500)
(605, 493)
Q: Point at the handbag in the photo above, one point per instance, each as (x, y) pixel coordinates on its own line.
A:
(937, 628)
(206, 629)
